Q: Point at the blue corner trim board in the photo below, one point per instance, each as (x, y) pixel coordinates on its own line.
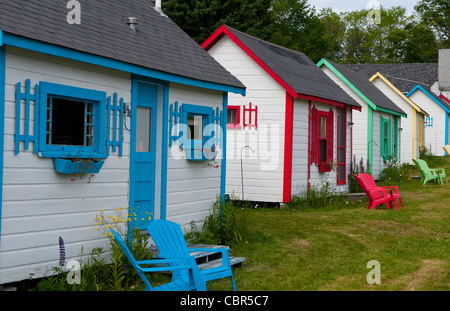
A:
(165, 143)
(42, 47)
(2, 122)
(1, 37)
(224, 147)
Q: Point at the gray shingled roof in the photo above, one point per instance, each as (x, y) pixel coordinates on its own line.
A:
(437, 98)
(404, 76)
(295, 69)
(158, 42)
(363, 84)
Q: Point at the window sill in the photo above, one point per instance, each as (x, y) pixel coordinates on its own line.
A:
(199, 154)
(69, 166)
(72, 153)
(234, 126)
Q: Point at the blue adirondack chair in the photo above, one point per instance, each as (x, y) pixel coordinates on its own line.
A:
(170, 242)
(182, 278)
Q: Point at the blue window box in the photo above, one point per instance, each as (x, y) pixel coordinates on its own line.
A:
(69, 166)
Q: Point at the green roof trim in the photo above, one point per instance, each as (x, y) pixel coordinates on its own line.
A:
(324, 62)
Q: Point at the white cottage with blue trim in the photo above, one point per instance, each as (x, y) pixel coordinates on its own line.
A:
(116, 108)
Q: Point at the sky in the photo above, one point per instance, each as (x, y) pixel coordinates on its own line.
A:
(353, 5)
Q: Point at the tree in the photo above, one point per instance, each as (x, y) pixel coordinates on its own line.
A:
(200, 18)
(297, 27)
(334, 34)
(436, 14)
(398, 37)
(416, 43)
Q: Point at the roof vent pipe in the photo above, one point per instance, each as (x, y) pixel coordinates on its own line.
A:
(132, 22)
(158, 8)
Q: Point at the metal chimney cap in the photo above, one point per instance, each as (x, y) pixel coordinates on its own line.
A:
(132, 22)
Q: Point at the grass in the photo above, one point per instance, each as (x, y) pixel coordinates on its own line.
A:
(329, 248)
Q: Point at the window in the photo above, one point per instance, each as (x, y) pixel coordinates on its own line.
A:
(234, 117)
(144, 129)
(341, 146)
(196, 118)
(250, 116)
(72, 122)
(385, 138)
(321, 139)
(428, 122)
(323, 142)
(195, 125)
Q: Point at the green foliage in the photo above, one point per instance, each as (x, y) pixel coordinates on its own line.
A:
(297, 27)
(223, 223)
(200, 18)
(319, 195)
(345, 37)
(436, 14)
(395, 171)
(432, 160)
(98, 273)
(222, 226)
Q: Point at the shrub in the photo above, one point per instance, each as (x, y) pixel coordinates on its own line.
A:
(356, 168)
(98, 274)
(319, 195)
(394, 171)
(430, 158)
(222, 226)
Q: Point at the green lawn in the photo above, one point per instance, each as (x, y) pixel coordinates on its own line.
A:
(329, 248)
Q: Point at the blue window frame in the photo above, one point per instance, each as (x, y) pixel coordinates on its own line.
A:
(196, 119)
(71, 122)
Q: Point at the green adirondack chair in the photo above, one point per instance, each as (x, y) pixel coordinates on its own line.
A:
(428, 174)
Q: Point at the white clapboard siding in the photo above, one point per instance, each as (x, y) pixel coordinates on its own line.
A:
(263, 169)
(434, 135)
(300, 145)
(192, 188)
(359, 120)
(406, 152)
(317, 178)
(40, 205)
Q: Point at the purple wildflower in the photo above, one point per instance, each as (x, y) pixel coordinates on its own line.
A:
(62, 252)
(361, 164)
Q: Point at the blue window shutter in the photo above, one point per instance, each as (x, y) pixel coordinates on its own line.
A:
(114, 114)
(28, 97)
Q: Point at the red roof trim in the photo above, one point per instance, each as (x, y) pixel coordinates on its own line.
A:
(223, 30)
(321, 100)
(446, 99)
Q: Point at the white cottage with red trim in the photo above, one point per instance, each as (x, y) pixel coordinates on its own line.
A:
(291, 127)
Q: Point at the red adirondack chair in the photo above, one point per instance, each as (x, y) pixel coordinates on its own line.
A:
(378, 195)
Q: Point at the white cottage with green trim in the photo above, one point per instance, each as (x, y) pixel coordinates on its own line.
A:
(376, 127)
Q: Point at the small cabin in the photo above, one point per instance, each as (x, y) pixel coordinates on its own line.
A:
(102, 113)
(436, 124)
(412, 135)
(376, 127)
(291, 130)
